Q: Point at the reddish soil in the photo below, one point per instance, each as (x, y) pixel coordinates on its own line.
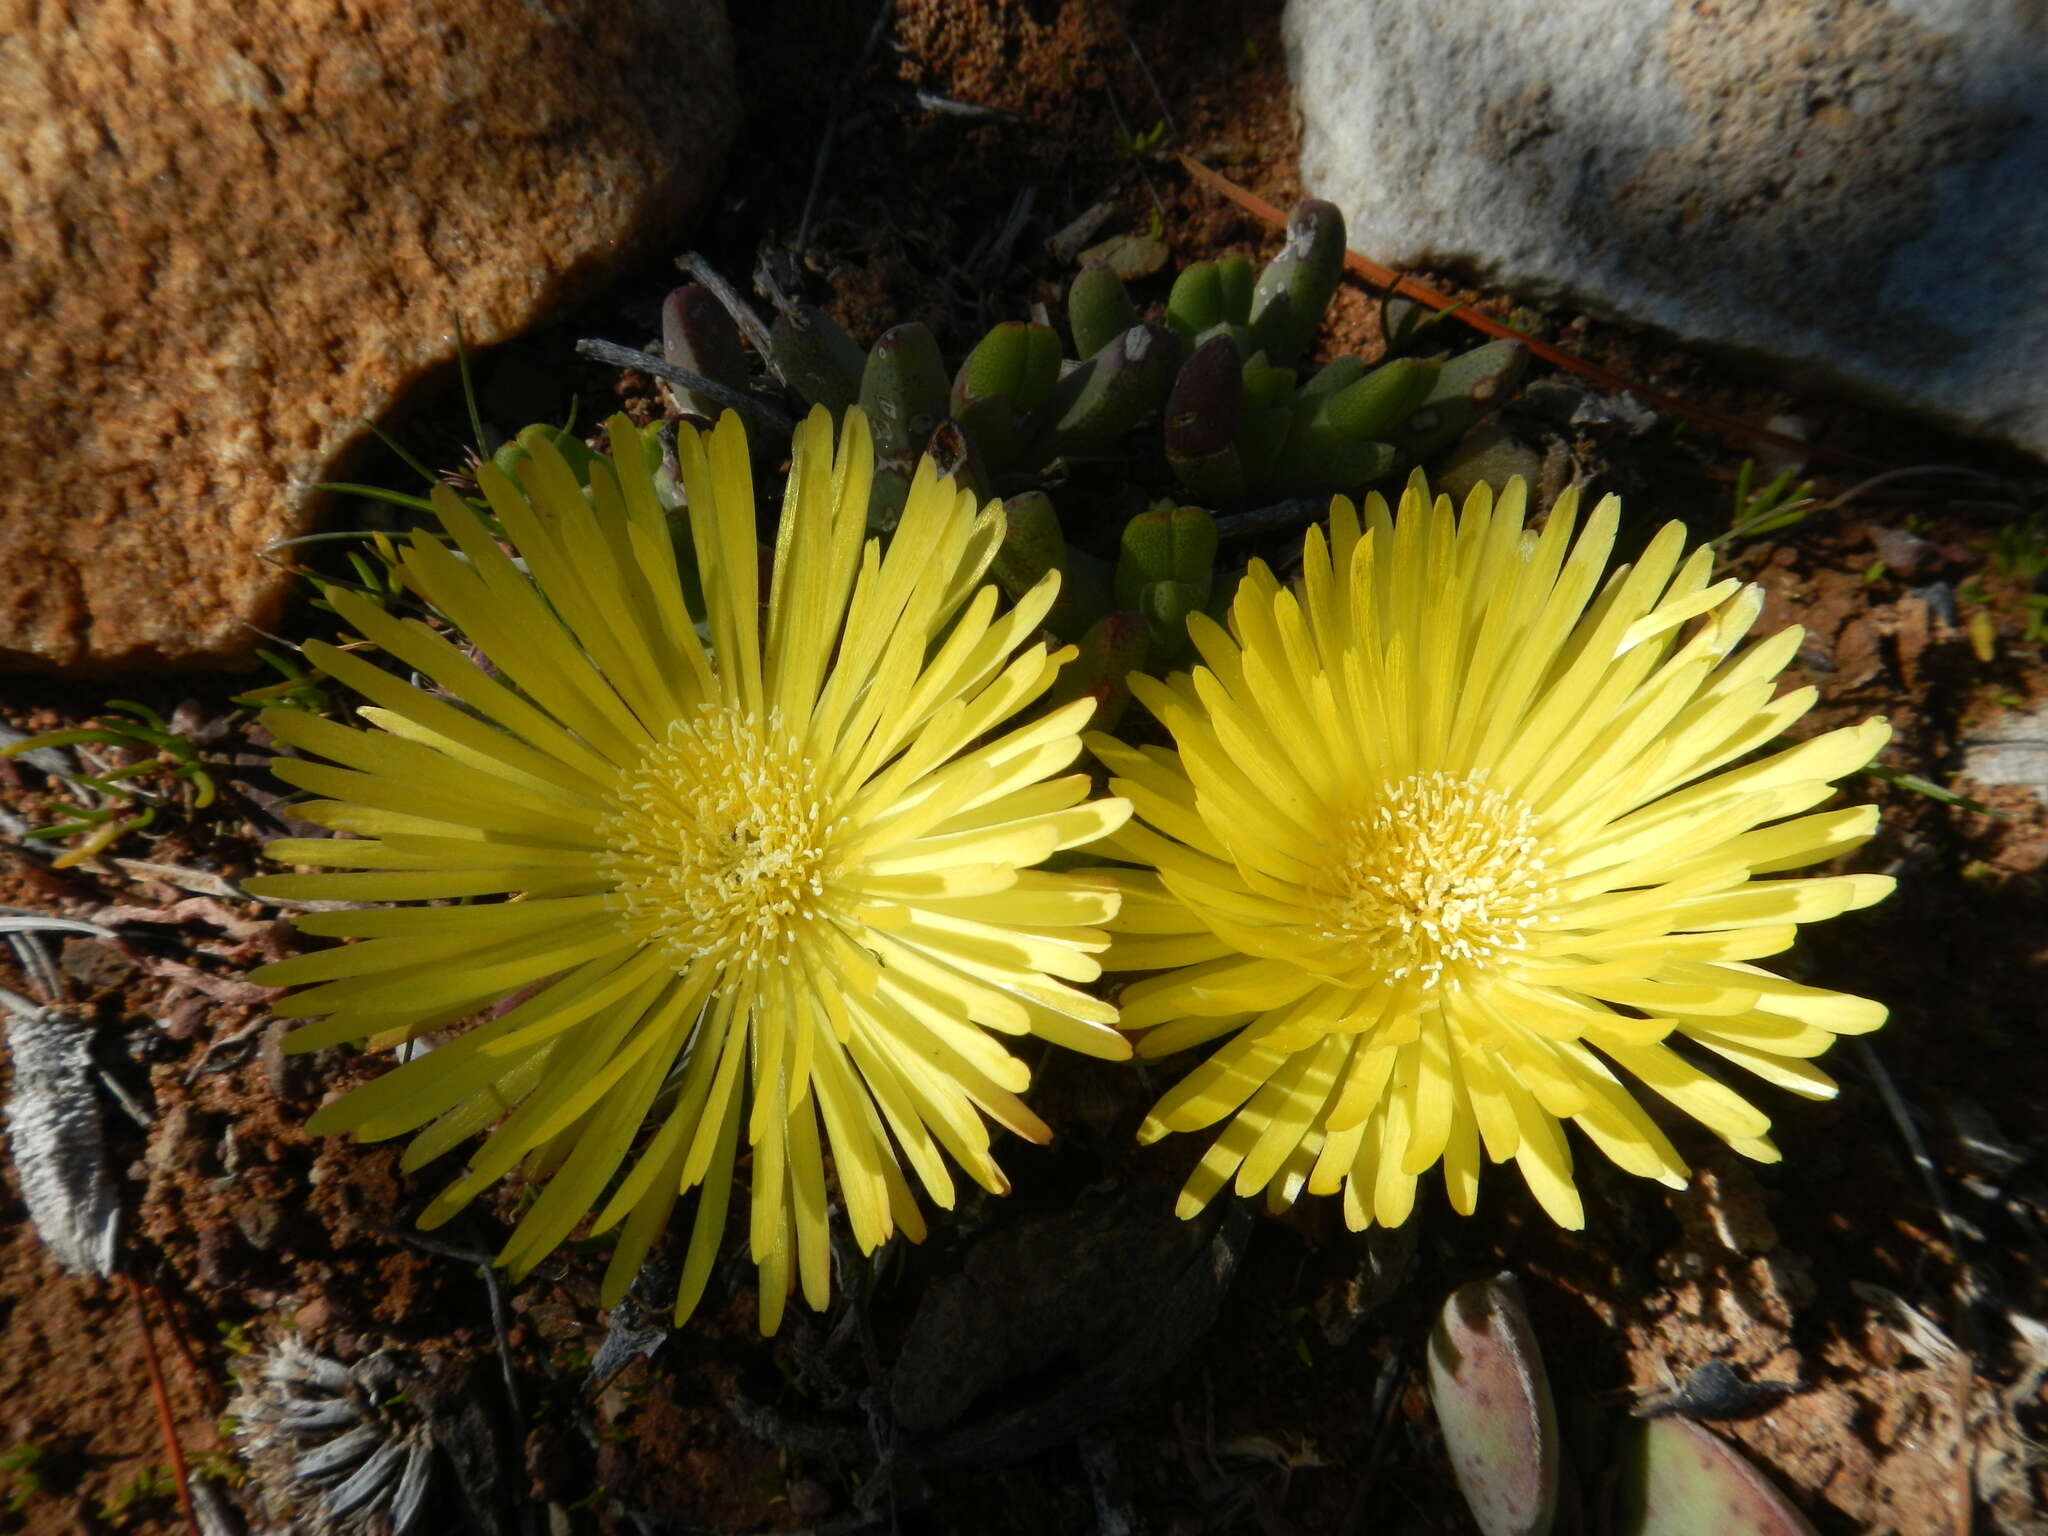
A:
(1301, 1408)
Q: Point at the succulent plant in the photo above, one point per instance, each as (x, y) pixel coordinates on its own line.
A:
(1239, 422)
(1007, 378)
(1110, 649)
(1460, 392)
(1406, 326)
(1166, 571)
(1099, 309)
(1104, 396)
(903, 391)
(1129, 614)
(1033, 544)
(1279, 312)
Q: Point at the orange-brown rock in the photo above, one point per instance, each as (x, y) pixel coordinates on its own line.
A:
(230, 234)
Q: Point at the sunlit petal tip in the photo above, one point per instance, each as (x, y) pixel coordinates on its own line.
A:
(1518, 815)
(1759, 1148)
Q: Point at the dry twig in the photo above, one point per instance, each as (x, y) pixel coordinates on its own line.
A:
(166, 1419)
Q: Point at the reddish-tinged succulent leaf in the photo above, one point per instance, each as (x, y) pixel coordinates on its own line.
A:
(1682, 1480)
(1492, 1400)
(1202, 417)
(1113, 647)
(1032, 543)
(697, 334)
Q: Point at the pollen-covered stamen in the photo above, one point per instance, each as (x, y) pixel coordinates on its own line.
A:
(1436, 876)
(720, 841)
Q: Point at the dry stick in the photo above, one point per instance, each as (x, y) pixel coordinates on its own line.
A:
(1486, 325)
(695, 266)
(193, 1370)
(759, 413)
(492, 1294)
(1280, 517)
(947, 106)
(166, 1420)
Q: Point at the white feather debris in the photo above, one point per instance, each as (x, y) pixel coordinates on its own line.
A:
(59, 1146)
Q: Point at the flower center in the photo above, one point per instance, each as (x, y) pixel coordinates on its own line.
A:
(718, 842)
(1436, 877)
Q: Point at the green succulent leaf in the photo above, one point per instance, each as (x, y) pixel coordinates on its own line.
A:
(1010, 373)
(1196, 302)
(1099, 309)
(1286, 307)
(1234, 287)
(1113, 391)
(904, 390)
(1466, 388)
(1032, 544)
(817, 358)
(1166, 544)
(1374, 404)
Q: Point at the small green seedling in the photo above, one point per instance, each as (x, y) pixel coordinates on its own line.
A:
(135, 728)
(1767, 509)
(22, 1476)
(154, 1485)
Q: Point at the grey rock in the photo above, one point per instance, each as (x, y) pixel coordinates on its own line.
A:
(1853, 188)
(2013, 749)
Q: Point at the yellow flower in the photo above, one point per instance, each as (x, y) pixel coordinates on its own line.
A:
(1456, 830)
(777, 892)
